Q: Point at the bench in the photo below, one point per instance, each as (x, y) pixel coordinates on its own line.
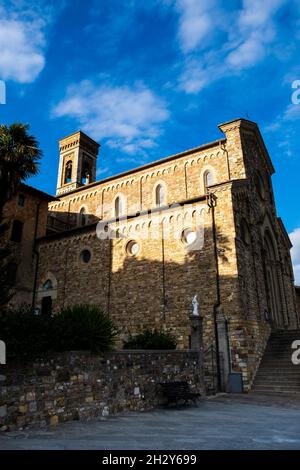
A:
(178, 391)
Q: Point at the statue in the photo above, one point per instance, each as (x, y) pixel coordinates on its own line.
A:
(195, 306)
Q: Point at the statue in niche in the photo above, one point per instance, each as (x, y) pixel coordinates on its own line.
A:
(195, 305)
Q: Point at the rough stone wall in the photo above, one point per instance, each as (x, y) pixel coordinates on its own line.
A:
(74, 281)
(182, 178)
(23, 253)
(297, 290)
(73, 386)
(153, 289)
(254, 206)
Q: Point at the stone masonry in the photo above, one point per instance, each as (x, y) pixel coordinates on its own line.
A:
(80, 385)
(199, 226)
(241, 274)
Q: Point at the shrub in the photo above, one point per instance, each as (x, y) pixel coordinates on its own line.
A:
(83, 327)
(26, 335)
(151, 340)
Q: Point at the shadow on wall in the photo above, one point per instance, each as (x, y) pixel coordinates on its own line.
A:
(62, 221)
(146, 289)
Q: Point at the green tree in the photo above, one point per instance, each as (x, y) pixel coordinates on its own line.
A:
(19, 159)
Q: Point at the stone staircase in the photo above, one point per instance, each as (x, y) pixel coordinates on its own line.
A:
(277, 374)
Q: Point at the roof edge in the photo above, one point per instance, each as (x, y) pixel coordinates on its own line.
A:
(146, 166)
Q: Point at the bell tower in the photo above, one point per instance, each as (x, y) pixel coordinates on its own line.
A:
(77, 162)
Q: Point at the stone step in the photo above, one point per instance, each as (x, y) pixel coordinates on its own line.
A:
(279, 376)
(276, 373)
(270, 388)
(279, 368)
(292, 383)
(280, 361)
(282, 355)
(272, 392)
(283, 332)
(282, 376)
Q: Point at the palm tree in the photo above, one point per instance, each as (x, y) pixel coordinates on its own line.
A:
(19, 159)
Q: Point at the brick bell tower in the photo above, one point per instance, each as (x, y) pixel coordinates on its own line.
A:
(77, 162)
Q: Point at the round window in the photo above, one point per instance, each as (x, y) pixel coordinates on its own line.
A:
(189, 236)
(133, 248)
(85, 256)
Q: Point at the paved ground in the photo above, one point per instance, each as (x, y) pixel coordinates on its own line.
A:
(225, 422)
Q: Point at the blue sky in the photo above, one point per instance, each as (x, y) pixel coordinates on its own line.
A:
(150, 78)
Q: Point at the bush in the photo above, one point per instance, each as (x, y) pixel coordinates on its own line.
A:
(151, 340)
(82, 327)
(26, 335)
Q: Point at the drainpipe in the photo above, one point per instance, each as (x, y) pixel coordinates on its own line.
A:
(211, 202)
(163, 272)
(65, 275)
(223, 147)
(109, 276)
(35, 253)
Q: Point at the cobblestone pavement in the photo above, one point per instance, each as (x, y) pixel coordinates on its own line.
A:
(223, 422)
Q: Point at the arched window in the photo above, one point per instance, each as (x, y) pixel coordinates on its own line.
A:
(208, 179)
(271, 281)
(86, 176)
(260, 185)
(68, 172)
(85, 256)
(270, 246)
(119, 207)
(11, 273)
(82, 216)
(17, 231)
(48, 285)
(21, 200)
(245, 233)
(160, 195)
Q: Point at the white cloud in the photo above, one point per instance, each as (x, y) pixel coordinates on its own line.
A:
(21, 45)
(287, 118)
(251, 51)
(247, 36)
(196, 22)
(195, 77)
(295, 238)
(255, 31)
(256, 13)
(292, 112)
(102, 171)
(129, 118)
(22, 40)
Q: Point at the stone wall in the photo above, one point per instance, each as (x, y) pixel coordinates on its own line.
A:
(33, 215)
(181, 176)
(78, 385)
(241, 273)
(297, 290)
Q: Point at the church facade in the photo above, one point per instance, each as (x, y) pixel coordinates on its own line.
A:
(195, 232)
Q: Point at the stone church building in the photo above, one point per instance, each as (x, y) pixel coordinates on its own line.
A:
(196, 231)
